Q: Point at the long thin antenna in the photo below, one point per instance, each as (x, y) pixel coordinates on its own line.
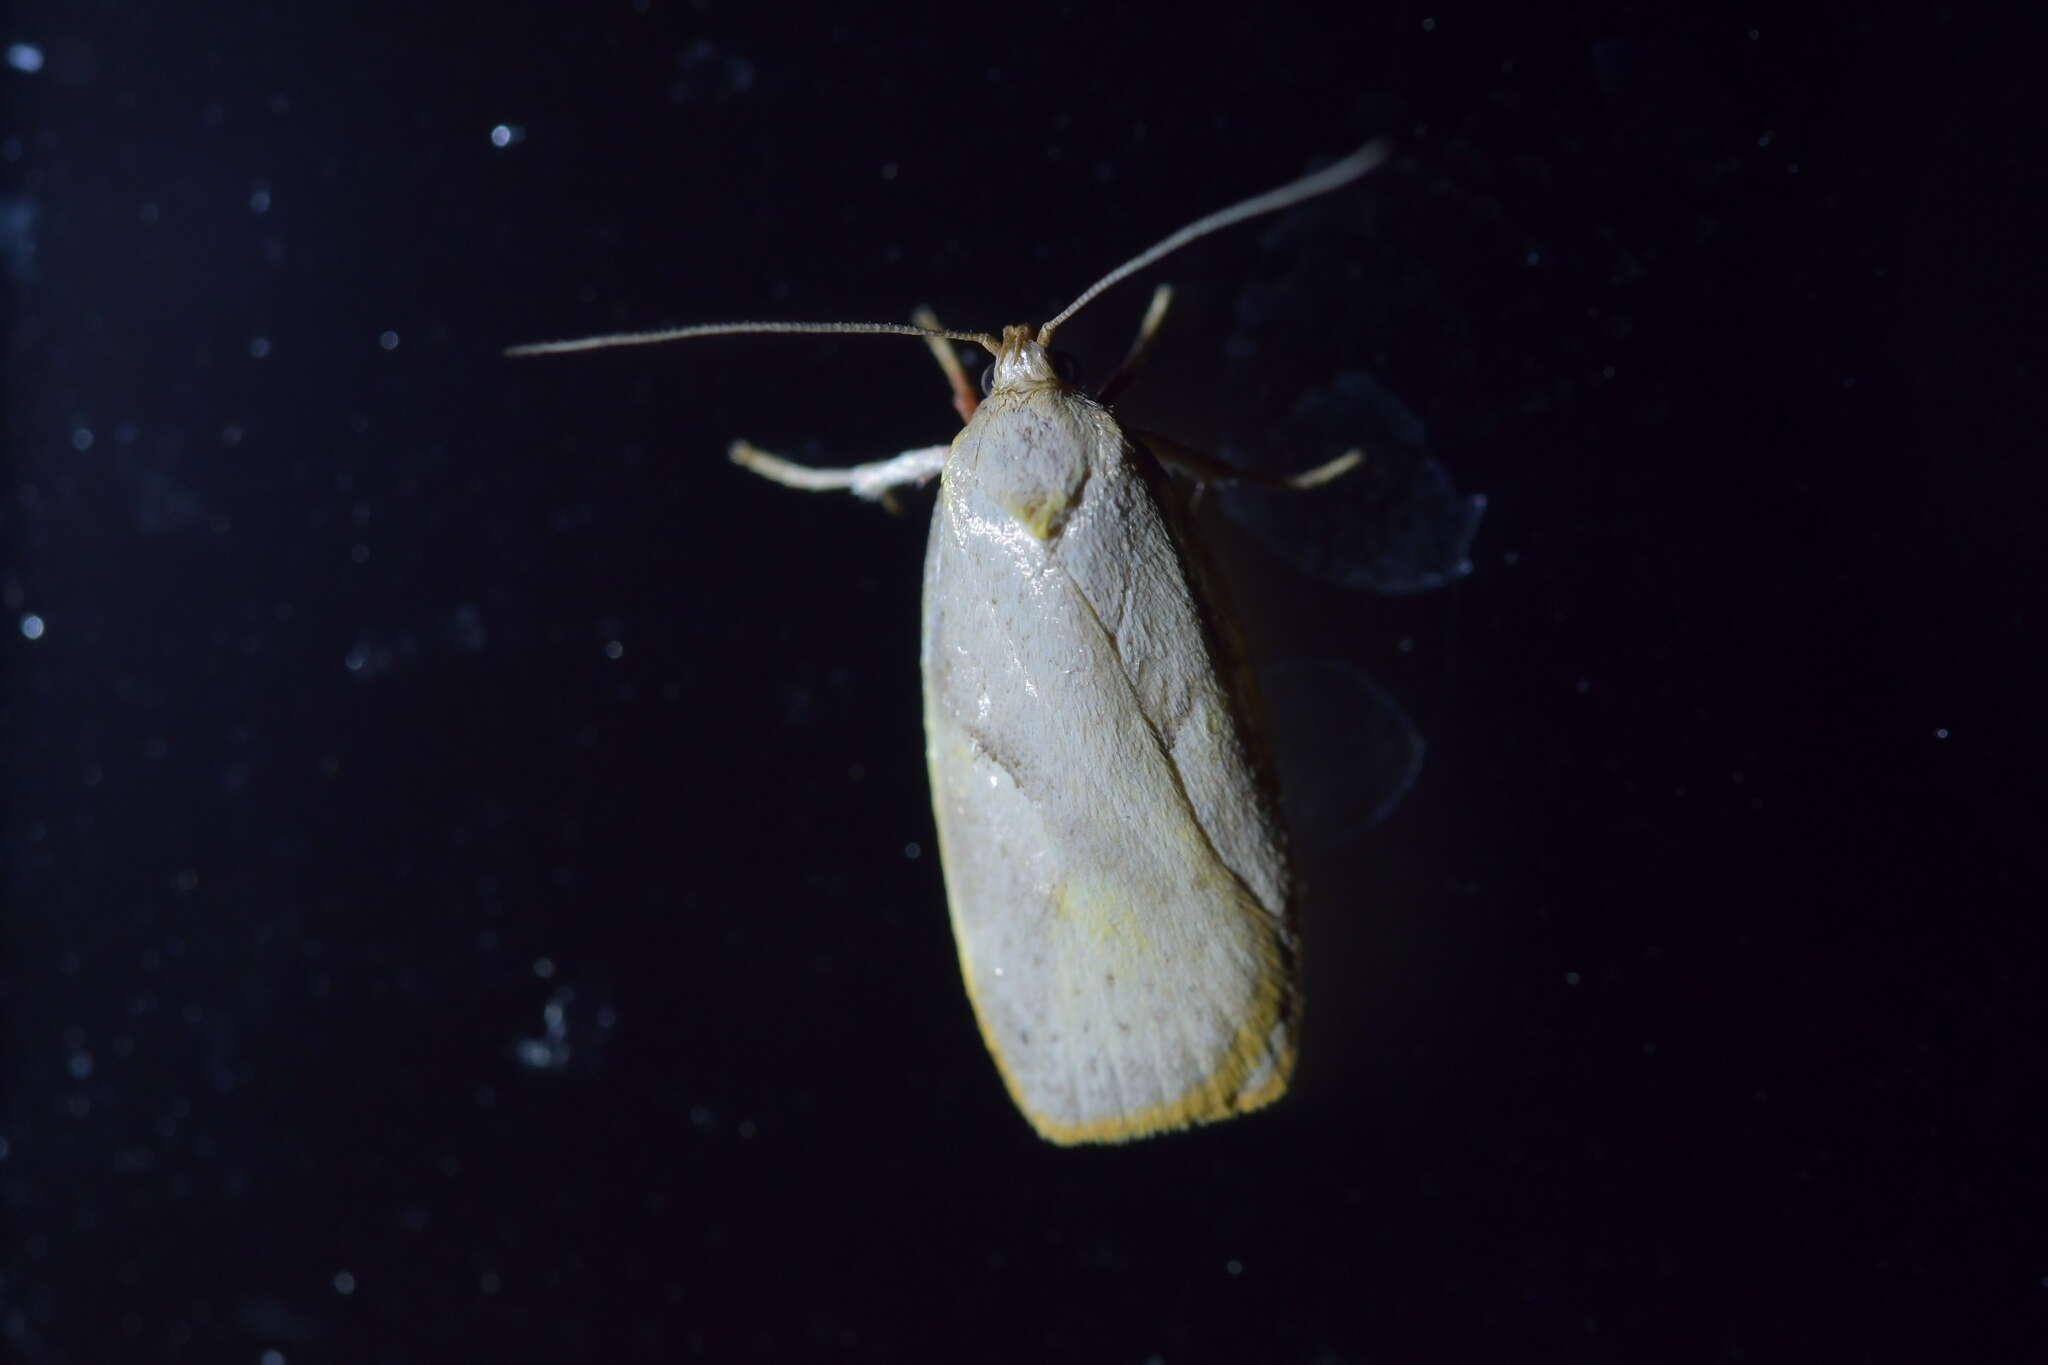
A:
(1308, 187)
(719, 329)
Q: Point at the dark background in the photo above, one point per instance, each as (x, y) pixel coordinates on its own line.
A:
(468, 889)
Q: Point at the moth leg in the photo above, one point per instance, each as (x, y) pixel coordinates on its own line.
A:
(964, 399)
(873, 482)
(1207, 469)
(1127, 369)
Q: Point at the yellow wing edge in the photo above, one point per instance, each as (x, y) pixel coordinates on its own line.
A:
(1216, 1096)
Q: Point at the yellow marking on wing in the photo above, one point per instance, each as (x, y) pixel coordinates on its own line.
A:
(1103, 913)
(1061, 910)
(1041, 516)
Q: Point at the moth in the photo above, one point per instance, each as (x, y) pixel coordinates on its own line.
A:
(1114, 861)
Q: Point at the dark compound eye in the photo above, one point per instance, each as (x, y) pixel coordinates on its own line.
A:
(988, 379)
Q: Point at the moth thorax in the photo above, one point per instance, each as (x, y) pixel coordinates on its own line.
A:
(1031, 458)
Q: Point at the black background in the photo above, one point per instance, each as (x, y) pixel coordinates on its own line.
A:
(1688, 1009)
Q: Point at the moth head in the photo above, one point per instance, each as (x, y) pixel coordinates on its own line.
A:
(1024, 361)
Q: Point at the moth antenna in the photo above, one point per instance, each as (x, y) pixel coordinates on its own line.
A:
(1333, 176)
(720, 329)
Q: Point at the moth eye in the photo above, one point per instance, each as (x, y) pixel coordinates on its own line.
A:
(988, 379)
(1067, 368)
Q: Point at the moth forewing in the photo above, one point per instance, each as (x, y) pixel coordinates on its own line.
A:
(1118, 884)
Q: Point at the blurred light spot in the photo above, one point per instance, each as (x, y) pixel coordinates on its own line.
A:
(80, 1065)
(375, 656)
(259, 347)
(464, 629)
(709, 73)
(388, 340)
(31, 626)
(18, 215)
(25, 57)
(543, 967)
(1942, 733)
(259, 199)
(507, 134)
(231, 435)
(344, 1283)
(564, 1015)
(540, 1054)
(613, 649)
(912, 851)
(271, 1358)
(81, 438)
(1571, 978)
